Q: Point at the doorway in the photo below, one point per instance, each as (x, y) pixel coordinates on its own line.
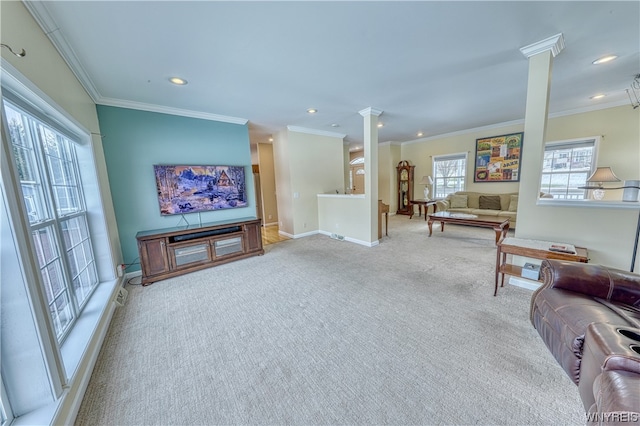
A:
(356, 175)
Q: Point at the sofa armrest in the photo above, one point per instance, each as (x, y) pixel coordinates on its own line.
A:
(609, 284)
(443, 205)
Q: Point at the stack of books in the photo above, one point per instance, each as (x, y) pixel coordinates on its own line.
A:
(563, 248)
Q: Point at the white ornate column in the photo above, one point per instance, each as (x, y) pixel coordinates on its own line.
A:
(371, 167)
(540, 56)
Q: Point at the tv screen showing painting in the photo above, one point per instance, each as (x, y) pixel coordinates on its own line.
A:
(191, 189)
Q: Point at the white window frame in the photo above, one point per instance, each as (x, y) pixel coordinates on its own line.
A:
(6, 415)
(55, 216)
(64, 364)
(460, 181)
(570, 144)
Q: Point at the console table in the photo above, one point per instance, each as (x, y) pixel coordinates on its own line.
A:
(166, 253)
(529, 248)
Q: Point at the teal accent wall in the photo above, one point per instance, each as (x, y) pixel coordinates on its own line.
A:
(136, 140)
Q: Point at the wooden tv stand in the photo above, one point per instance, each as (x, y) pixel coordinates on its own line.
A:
(166, 253)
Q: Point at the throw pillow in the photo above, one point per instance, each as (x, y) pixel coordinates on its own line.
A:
(459, 201)
(490, 202)
(513, 204)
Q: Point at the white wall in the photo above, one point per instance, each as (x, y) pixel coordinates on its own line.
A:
(306, 164)
(389, 155)
(267, 184)
(342, 215)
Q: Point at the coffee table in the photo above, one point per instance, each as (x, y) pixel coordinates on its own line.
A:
(499, 224)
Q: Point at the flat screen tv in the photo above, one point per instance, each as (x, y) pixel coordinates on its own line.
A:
(192, 189)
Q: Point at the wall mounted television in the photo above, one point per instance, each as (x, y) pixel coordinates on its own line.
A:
(190, 189)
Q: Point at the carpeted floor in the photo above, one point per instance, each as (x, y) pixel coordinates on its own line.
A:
(321, 331)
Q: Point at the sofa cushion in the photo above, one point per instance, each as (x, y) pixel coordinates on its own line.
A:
(460, 210)
(513, 203)
(489, 202)
(483, 212)
(459, 201)
(510, 215)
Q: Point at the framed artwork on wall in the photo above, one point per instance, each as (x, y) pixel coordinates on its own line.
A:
(498, 158)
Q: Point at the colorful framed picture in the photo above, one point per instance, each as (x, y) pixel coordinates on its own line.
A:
(498, 158)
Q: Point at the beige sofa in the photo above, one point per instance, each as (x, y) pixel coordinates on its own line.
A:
(469, 202)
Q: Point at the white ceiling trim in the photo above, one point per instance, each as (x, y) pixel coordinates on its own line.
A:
(172, 111)
(517, 122)
(554, 43)
(316, 132)
(370, 111)
(42, 16)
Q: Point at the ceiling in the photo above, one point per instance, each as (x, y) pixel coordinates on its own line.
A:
(434, 67)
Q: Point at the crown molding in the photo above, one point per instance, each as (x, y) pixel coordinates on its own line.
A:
(40, 13)
(171, 111)
(316, 132)
(519, 122)
(555, 44)
(370, 111)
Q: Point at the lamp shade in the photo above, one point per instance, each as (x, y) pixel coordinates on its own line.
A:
(426, 180)
(603, 174)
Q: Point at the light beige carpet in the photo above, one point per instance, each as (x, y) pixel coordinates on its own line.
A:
(320, 331)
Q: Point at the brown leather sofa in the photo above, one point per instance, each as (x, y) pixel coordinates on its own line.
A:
(588, 315)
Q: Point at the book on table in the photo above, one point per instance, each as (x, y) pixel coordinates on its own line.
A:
(563, 248)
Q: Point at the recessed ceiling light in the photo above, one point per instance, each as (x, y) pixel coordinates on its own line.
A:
(598, 96)
(604, 59)
(179, 81)
(312, 110)
(380, 125)
(335, 125)
(420, 134)
(270, 139)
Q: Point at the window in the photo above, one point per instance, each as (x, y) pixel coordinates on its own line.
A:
(5, 413)
(47, 168)
(449, 174)
(566, 166)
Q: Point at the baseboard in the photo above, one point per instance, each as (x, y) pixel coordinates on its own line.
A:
(305, 234)
(349, 239)
(285, 234)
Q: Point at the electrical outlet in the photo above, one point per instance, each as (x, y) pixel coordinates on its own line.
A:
(270, 216)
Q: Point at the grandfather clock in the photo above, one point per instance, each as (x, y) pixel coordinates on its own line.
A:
(405, 187)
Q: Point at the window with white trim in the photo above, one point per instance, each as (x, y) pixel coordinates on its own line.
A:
(449, 174)
(566, 167)
(5, 409)
(47, 167)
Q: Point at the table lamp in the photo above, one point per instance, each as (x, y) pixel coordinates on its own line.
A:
(602, 174)
(426, 181)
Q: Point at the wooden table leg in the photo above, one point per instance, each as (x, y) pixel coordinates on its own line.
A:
(430, 223)
(495, 292)
(426, 210)
(386, 224)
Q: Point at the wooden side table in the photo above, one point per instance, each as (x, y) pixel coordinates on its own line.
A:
(420, 203)
(529, 248)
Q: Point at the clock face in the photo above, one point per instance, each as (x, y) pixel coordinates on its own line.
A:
(405, 186)
(404, 175)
